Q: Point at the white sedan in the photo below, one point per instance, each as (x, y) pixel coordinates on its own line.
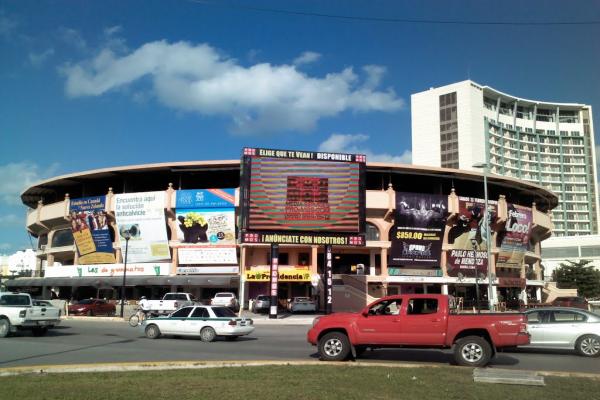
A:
(302, 304)
(208, 322)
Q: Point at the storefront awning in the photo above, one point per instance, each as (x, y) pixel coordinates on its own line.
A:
(117, 281)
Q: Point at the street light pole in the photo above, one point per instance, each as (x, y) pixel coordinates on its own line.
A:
(488, 246)
(126, 235)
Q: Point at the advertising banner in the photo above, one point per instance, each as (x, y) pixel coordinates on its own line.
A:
(143, 214)
(514, 240)
(229, 269)
(206, 224)
(418, 231)
(89, 223)
(133, 269)
(468, 238)
(286, 273)
(287, 193)
(205, 198)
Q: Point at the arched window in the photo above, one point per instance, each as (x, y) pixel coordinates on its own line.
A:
(372, 232)
(61, 238)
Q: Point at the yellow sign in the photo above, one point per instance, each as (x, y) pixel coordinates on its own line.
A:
(285, 275)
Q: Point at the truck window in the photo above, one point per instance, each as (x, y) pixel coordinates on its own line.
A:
(14, 300)
(422, 306)
(386, 307)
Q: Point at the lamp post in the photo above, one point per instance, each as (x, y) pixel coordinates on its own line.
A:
(485, 166)
(125, 235)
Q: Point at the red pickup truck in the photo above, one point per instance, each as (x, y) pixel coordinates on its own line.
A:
(417, 320)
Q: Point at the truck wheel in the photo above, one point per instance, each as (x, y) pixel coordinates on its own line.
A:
(207, 334)
(472, 351)
(40, 331)
(4, 327)
(334, 346)
(152, 332)
(588, 346)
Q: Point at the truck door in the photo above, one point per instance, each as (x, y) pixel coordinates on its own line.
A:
(424, 322)
(382, 324)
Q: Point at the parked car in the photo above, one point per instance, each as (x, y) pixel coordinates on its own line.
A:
(417, 320)
(170, 302)
(18, 313)
(92, 307)
(302, 304)
(573, 301)
(564, 328)
(262, 302)
(208, 322)
(226, 299)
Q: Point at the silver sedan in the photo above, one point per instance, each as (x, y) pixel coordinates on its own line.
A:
(564, 328)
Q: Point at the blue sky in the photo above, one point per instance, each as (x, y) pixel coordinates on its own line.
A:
(92, 84)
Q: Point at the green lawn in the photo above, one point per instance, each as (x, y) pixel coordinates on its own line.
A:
(288, 382)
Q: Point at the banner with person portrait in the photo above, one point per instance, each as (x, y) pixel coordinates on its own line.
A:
(418, 231)
(468, 237)
(143, 215)
(206, 226)
(89, 224)
(514, 239)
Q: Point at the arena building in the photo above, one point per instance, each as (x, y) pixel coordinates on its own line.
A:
(360, 273)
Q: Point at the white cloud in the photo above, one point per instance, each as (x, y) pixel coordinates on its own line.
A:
(259, 98)
(15, 177)
(307, 57)
(5, 246)
(37, 59)
(111, 30)
(339, 143)
(72, 37)
(11, 220)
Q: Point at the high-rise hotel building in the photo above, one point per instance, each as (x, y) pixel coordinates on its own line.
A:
(551, 144)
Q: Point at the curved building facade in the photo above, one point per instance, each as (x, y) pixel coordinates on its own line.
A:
(360, 273)
(550, 144)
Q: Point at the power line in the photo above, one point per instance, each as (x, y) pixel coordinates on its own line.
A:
(391, 20)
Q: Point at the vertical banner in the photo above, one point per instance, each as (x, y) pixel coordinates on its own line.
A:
(468, 237)
(206, 225)
(328, 281)
(89, 223)
(418, 231)
(273, 281)
(143, 214)
(515, 237)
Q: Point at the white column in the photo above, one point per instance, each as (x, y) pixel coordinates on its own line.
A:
(538, 294)
(445, 288)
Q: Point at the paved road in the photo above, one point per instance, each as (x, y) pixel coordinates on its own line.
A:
(84, 342)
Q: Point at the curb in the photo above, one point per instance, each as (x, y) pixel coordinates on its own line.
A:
(170, 365)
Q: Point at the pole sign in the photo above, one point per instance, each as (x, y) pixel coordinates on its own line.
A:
(274, 280)
(328, 280)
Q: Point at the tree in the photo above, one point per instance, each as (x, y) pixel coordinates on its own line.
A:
(585, 278)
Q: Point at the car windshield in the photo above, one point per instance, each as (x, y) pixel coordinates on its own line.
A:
(85, 301)
(262, 298)
(223, 312)
(224, 295)
(301, 299)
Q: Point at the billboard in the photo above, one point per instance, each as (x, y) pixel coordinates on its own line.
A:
(418, 231)
(514, 239)
(206, 225)
(89, 224)
(467, 238)
(302, 197)
(143, 214)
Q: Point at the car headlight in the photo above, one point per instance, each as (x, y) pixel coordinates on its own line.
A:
(316, 321)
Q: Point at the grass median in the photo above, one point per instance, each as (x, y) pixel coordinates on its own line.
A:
(287, 382)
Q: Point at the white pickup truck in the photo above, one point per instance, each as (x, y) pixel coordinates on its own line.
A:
(17, 312)
(171, 302)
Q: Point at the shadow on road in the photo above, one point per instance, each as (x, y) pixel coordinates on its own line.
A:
(423, 356)
(67, 351)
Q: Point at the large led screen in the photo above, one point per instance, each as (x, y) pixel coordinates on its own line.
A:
(293, 196)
